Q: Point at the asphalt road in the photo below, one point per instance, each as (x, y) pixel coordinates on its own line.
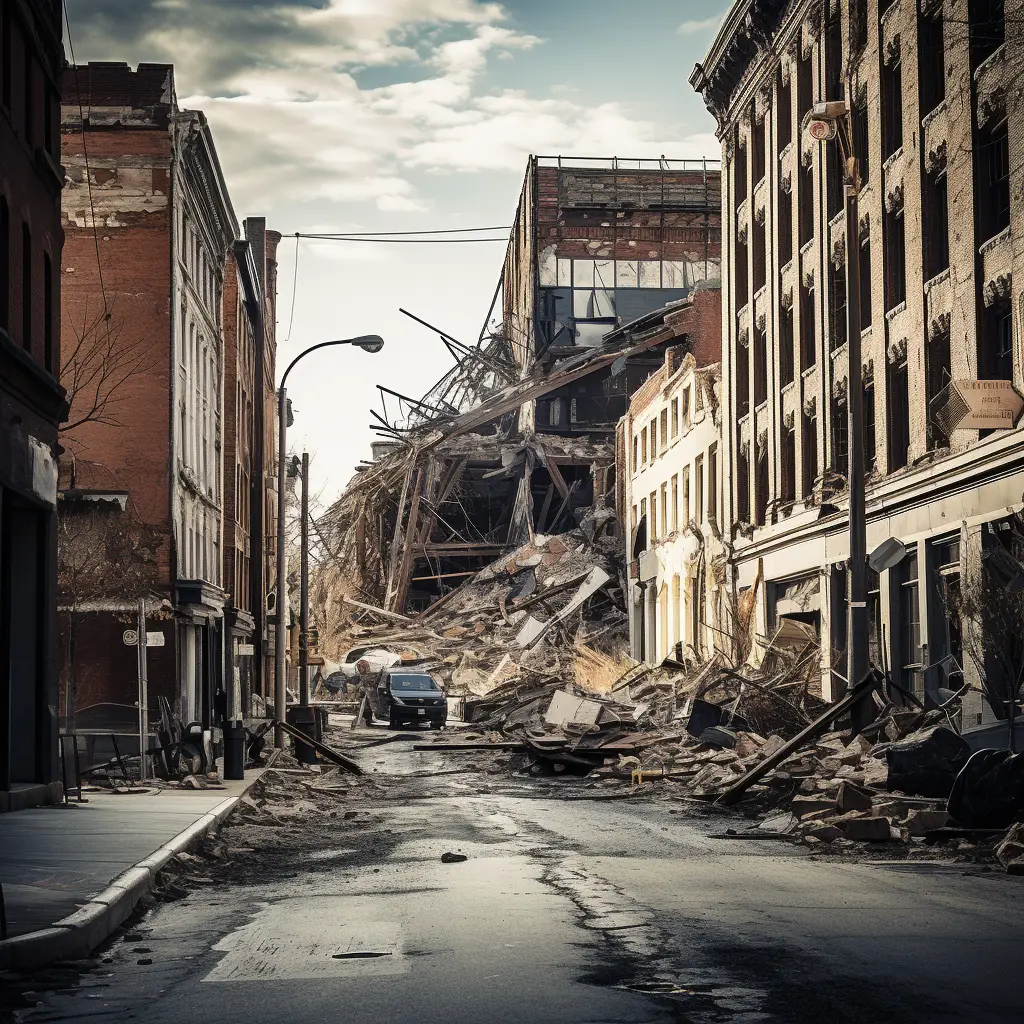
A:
(569, 912)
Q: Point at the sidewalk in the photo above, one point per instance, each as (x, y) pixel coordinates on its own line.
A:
(72, 874)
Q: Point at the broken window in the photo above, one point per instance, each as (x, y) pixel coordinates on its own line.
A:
(910, 623)
(650, 273)
(938, 374)
(895, 258)
(698, 483)
(837, 305)
(899, 415)
(788, 455)
(892, 107)
(627, 274)
(946, 649)
(840, 436)
(808, 342)
(786, 364)
(936, 224)
(564, 273)
(931, 57)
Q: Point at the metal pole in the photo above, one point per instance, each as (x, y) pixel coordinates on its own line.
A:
(281, 629)
(304, 588)
(857, 637)
(143, 691)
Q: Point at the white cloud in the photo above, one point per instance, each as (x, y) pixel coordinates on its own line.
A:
(696, 27)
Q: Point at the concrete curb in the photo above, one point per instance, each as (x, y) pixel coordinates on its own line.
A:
(77, 935)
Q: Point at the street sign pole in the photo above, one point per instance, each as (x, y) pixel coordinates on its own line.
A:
(143, 691)
(304, 588)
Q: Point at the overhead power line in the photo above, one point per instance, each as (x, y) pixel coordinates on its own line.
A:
(403, 241)
(425, 231)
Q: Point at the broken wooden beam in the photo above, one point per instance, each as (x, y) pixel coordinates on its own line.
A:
(483, 745)
(817, 728)
(396, 616)
(322, 749)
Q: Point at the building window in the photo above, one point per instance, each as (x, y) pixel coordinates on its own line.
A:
(698, 484)
(761, 489)
(686, 408)
(636, 445)
(643, 445)
(26, 287)
(994, 195)
(873, 587)
(899, 415)
(760, 366)
(808, 343)
(858, 24)
(47, 312)
(785, 233)
(664, 428)
(742, 379)
(865, 283)
(931, 57)
(837, 305)
(895, 259)
(686, 496)
(654, 439)
(995, 355)
(664, 510)
(654, 515)
(910, 623)
(593, 289)
(740, 271)
(861, 143)
(987, 27)
(788, 456)
(868, 406)
(947, 648)
(675, 503)
(936, 224)
(892, 107)
(713, 483)
(938, 376)
(6, 54)
(804, 86)
(740, 168)
(809, 468)
(806, 200)
(675, 416)
(743, 485)
(758, 147)
(833, 55)
(760, 253)
(784, 111)
(840, 436)
(30, 97)
(786, 362)
(5, 261)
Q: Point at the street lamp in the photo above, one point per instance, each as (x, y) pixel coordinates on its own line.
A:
(828, 121)
(368, 343)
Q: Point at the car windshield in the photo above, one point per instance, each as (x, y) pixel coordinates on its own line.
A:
(412, 681)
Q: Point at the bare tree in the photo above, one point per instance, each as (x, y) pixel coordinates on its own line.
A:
(106, 560)
(97, 366)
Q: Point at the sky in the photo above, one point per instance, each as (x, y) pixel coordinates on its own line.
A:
(403, 115)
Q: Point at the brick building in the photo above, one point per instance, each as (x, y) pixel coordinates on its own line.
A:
(936, 128)
(32, 402)
(670, 466)
(146, 206)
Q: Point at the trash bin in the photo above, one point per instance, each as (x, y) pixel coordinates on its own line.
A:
(303, 719)
(234, 750)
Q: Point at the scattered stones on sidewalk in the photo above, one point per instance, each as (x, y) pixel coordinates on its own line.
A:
(453, 858)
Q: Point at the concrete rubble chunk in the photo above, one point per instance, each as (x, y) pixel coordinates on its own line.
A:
(851, 797)
(870, 830)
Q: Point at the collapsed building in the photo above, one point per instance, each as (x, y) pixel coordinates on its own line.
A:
(609, 264)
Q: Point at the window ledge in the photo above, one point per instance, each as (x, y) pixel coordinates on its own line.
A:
(995, 57)
(804, 374)
(786, 150)
(893, 158)
(806, 247)
(940, 278)
(837, 219)
(888, 15)
(788, 387)
(995, 241)
(786, 267)
(934, 113)
(895, 311)
(761, 406)
(839, 350)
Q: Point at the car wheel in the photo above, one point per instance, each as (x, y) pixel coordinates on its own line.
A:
(392, 722)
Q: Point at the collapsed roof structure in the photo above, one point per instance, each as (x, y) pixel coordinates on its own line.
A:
(608, 265)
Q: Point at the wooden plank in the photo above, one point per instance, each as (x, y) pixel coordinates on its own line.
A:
(373, 608)
(500, 745)
(401, 591)
(322, 749)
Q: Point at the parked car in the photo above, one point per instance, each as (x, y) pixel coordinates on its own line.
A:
(410, 697)
(376, 657)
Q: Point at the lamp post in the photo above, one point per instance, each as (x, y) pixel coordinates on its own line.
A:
(368, 343)
(831, 120)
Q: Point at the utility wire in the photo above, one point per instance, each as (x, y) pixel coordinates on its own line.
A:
(438, 231)
(295, 281)
(402, 241)
(88, 172)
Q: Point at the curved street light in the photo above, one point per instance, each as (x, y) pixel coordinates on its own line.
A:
(371, 343)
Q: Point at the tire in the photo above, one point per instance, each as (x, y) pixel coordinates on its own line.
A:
(392, 721)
